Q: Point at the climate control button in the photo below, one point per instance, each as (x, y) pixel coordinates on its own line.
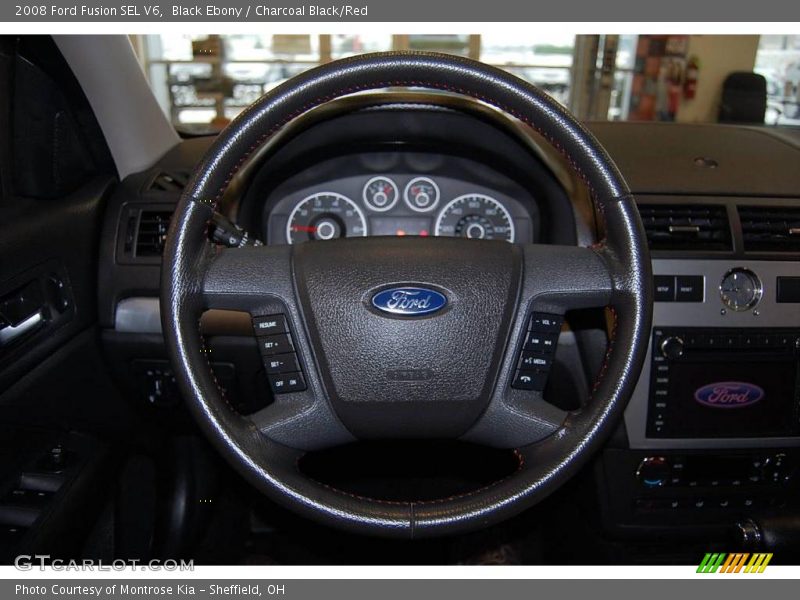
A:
(654, 471)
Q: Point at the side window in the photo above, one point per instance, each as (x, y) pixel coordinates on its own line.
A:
(55, 144)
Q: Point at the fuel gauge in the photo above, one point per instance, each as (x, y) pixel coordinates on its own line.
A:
(380, 194)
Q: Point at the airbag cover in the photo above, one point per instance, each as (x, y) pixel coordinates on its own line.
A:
(391, 375)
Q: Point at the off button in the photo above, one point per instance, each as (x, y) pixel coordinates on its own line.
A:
(287, 382)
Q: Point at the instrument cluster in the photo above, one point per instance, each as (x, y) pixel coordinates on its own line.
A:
(400, 204)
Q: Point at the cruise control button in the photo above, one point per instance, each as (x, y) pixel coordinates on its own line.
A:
(270, 325)
(545, 323)
(281, 363)
(541, 342)
(287, 382)
(530, 380)
(532, 360)
(276, 344)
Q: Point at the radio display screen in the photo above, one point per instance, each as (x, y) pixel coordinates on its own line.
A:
(728, 399)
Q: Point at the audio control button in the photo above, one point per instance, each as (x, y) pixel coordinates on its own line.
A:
(546, 323)
(672, 348)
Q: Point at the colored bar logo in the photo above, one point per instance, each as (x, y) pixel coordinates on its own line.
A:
(734, 563)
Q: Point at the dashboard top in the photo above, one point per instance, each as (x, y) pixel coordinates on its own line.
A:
(675, 158)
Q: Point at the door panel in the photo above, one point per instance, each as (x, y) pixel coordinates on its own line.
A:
(56, 174)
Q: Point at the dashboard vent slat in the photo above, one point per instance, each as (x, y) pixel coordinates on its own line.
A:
(169, 181)
(686, 226)
(770, 228)
(152, 232)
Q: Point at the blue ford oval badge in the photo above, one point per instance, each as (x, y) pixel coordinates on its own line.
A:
(729, 394)
(409, 301)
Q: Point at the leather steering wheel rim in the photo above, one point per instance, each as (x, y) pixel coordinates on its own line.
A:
(619, 277)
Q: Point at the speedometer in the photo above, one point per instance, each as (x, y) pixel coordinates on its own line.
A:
(475, 216)
(325, 216)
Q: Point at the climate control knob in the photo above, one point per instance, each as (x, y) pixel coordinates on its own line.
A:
(672, 348)
(653, 471)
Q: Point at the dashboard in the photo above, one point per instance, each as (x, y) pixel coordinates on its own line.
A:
(400, 194)
(723, 242)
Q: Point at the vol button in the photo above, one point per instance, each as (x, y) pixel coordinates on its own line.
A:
(672, 348)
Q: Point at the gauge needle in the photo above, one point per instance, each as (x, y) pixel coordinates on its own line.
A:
(306, 228)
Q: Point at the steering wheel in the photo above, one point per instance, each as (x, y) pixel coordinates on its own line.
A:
(380, 360)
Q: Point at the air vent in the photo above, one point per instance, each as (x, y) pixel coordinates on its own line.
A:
(152, 232)
(770, 228)
(172, 181)
(686, 227)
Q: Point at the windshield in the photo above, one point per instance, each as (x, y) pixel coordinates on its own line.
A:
(204, 81)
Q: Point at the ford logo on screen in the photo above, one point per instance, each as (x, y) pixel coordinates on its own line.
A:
(409, 301)
(729, 394)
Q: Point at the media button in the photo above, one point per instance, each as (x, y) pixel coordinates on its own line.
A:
(531, 360)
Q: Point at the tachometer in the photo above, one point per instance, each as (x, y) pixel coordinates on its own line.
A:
(325, 216)
(475, 216)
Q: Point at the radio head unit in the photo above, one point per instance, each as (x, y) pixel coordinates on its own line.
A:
(724, 383)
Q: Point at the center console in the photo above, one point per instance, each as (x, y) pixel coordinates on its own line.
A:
(713, 426)
(719, 374)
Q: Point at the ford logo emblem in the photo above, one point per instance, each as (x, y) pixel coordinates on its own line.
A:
(409, 301)
(728, 394)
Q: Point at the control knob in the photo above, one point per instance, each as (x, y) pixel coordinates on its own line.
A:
(654, 471)
(672, 348)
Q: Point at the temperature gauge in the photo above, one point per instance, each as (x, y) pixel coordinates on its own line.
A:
(380, 194)
(421, 194)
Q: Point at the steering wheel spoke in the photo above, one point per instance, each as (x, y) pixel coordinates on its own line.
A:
(258, 280)
(555, 279)
(249, 279)
(562, 278)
